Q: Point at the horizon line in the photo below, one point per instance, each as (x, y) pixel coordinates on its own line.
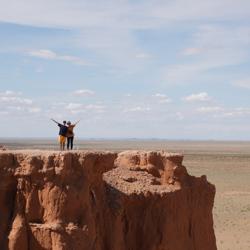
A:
(128, 139)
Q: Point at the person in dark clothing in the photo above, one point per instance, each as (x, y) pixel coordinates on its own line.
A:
(62, 133)
(70, 135)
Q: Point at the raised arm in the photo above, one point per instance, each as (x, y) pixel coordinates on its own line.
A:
(55, 121)
(77, 122)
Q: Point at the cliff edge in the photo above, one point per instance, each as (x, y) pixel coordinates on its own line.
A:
(134, 200)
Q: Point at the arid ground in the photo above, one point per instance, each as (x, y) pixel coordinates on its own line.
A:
(226, 164)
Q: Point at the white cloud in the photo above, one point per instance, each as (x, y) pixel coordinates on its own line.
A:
(236, 112)
(137, 109)
(39, 70)
(244, 83)
(200, 97)
(165, 100)
(126, 14)
(10, 93)
(192, 51)
(212, 109)
(51, 55)
(14, 99)
(214, 46)
(95, 107)
(108, 27)
(76, 108)
(10, 97)
(44, 54)
(142, 56)
(179, 116)
(195, 10)
(114, 37)
(13, 103)
(160, 95)
(222, 112)
(83, 92)
(162, 98)
(34, 110)
(183, 73)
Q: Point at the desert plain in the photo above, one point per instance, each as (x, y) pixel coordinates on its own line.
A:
(226, 164)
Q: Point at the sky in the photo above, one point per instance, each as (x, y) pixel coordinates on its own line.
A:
(166, 69)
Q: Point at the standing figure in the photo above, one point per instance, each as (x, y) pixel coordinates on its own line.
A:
(70, 135)
(62, 133)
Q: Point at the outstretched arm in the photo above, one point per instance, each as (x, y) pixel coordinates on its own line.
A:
(77, 122)
(55, 121)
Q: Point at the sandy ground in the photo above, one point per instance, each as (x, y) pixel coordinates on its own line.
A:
(231, 175)
(226, 164)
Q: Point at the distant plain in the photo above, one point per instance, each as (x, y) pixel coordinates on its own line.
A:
(226, 164)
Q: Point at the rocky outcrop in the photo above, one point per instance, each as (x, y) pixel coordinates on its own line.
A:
(103, 201)
(2, 148)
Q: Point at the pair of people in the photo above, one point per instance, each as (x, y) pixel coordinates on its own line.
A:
(66, 132)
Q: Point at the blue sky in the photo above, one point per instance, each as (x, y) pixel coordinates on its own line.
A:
(146, 69)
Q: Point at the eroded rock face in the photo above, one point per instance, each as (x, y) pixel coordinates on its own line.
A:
(103, 201)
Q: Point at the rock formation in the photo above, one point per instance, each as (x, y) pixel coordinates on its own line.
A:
(2, 148)
(81, 200)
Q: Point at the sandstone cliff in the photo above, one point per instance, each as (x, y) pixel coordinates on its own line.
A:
(103, 201)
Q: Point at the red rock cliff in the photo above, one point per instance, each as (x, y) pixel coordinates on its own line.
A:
(103, 201)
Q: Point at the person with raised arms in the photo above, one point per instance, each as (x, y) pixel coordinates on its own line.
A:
(70, 135)
(62, 133)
